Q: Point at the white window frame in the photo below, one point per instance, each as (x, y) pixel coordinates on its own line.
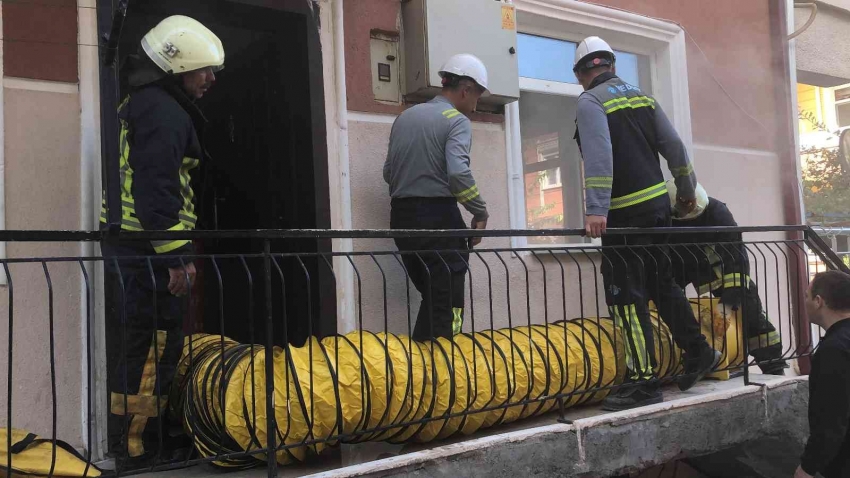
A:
(545, 185)
(557, 184)
(663, 42)
(840, 103)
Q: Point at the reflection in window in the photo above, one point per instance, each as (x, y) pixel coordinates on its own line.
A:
(551, 178)
(842, 107)
(842, 113)
(551, 165)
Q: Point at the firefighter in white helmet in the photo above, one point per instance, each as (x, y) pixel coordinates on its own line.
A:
(159, 150)
(621, 131)
(717, 264)
(428, 173)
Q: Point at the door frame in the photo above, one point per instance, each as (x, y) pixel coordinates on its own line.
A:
(106, 126)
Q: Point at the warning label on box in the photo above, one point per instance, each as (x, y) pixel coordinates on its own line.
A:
(508, 18)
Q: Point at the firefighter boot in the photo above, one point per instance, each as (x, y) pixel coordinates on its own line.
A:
(695, 370)
(769, 360)
(633, 396)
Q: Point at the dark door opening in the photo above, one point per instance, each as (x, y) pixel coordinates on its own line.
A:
(266, 167)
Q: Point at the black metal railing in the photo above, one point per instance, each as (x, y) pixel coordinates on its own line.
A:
(536, 334)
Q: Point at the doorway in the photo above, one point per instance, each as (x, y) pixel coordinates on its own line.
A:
(266, 166)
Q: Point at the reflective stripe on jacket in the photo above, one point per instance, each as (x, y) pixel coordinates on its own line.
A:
(620, 131)
(159, 149)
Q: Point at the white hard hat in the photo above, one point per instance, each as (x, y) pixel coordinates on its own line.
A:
(465, 64)
(590, 51)
(699, 208)
(181, 44)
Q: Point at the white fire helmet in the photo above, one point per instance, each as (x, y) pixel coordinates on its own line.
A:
(180, 44)
(590, 53)
(699, 208)
(465, 64)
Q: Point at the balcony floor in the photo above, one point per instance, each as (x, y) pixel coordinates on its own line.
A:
(702, 415)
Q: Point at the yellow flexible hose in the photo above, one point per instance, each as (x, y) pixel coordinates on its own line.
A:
(383, 387)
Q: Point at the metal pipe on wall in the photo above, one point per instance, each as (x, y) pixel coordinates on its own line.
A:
(345, 279)
(787, 147)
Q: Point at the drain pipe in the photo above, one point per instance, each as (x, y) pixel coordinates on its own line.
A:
(345, 274)
(783, 15)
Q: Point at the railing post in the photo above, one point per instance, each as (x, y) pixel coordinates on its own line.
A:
(10, 359)
(271, 423)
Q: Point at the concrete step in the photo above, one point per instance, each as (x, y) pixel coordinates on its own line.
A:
(711, 417)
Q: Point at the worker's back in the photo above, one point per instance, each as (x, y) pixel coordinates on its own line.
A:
(416, 159)
(638, 182)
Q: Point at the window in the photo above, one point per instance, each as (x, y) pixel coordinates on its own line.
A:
(551, 162)
(842, 107)
(551, 178)
(539, 128)
(842, 244)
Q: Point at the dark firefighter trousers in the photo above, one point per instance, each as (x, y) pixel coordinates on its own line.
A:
(144, 341)
(635, 275)
(730, 282)
(438, 276)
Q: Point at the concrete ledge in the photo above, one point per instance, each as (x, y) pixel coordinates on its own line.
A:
(688, 425)
(823, 51)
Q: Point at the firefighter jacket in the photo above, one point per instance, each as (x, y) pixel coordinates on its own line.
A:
(718, 263)
(159, 148)
(720, 258)
(620, 131)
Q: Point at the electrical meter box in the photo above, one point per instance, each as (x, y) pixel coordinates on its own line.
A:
(434, 30)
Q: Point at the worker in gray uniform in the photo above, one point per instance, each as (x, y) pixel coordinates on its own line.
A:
(428, 172)
(620, 132)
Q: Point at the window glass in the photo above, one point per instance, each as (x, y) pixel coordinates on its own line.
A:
(551, 59)
(627, 68)
(544, 58)
(842, 112)
(551, 178)
(554, 194)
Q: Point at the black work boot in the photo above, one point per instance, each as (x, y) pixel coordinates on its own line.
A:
(774, 368)
(695, 370)
(634, 396)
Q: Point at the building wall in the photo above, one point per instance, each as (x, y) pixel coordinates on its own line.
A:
(823, 50)
(42, 187)
(808, 101)
(40, 40)
(729, 48)
(735, 130)
(360, 20)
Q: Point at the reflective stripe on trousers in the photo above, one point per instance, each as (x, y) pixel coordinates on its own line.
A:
(637, 356)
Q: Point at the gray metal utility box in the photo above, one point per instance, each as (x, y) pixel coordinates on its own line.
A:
(434, 30)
